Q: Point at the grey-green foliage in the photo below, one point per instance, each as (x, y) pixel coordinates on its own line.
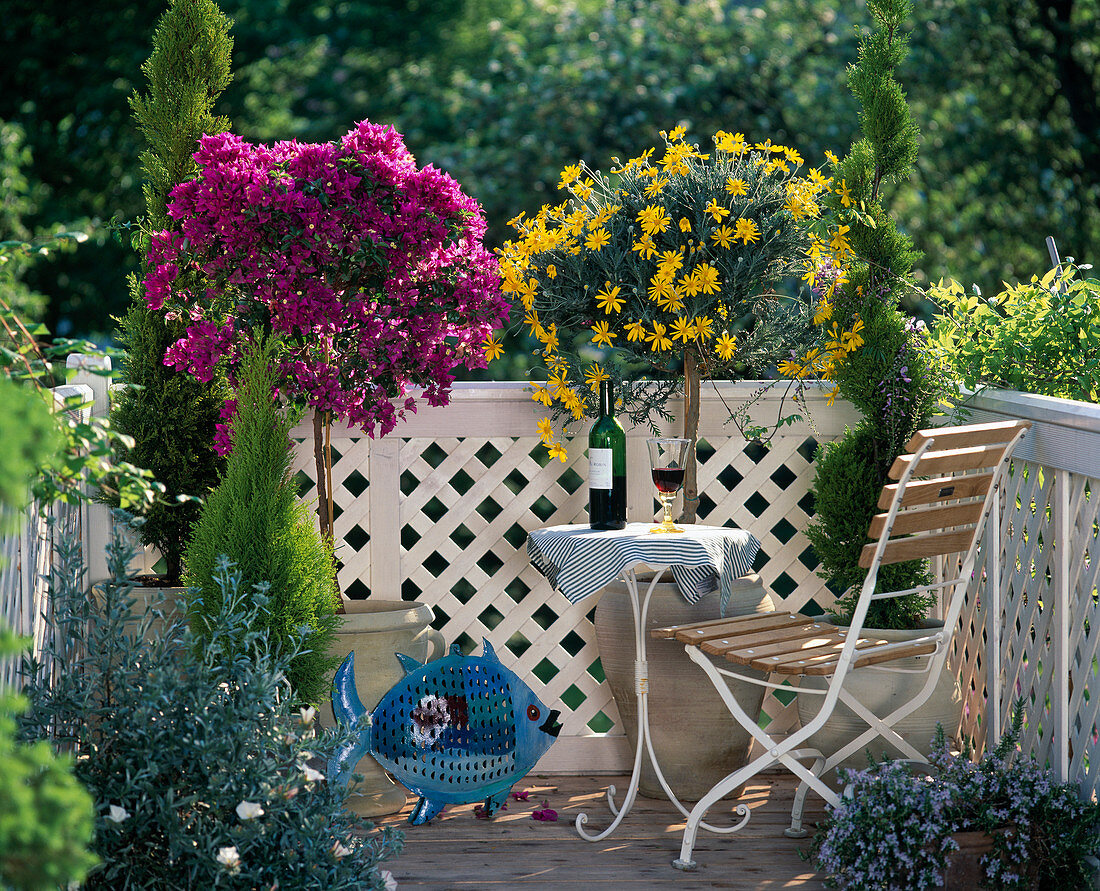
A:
(171, 415)
(177, 732)
(256, 519)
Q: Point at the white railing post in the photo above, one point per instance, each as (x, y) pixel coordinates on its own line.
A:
(994, 609)
(95, 520)
(1062, 592)
(384, 493)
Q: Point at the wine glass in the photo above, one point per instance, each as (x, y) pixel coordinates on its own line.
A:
(667, 459)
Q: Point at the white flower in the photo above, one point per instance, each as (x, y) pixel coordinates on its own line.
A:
(387, 877)
(118, 814)
(308, 714)
(248, 810)
(339, 850)
(228, 857)
(311, 775)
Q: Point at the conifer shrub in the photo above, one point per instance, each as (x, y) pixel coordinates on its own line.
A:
(203, 770)
(170, 415)
(893, 379)
(254, 517)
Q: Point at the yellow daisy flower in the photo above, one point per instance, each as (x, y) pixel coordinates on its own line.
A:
(598, 239)
(493, 348)
(557, 450)
(717, 211)
(593, 375)
(685, 224)
(736, 187)
(746, 231)
(658, 340)
(541, 394)
(725, 347)
(635, 331)
(683, 330)
(603, 335)
(723, 236)
(546, 431)
(608, 299)
(708, 278)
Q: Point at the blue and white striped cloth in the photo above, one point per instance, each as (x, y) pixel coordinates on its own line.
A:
(579, 561)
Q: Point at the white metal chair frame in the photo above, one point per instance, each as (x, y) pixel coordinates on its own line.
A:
(789, 752)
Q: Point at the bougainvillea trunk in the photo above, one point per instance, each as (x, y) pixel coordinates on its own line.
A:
(691, 431)
(322, 456)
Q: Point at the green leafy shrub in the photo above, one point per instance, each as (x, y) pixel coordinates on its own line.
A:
(204, 774)
(1041, 336)
(46, 816)
(254, 517)
(854, 467)
(172, 416)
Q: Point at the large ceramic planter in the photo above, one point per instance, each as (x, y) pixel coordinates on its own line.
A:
(375, 630)
(882, 692)
(696, 740)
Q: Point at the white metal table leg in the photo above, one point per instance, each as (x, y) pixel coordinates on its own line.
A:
(644, 741)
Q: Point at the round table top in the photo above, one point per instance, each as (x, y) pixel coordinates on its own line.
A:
(579, 560)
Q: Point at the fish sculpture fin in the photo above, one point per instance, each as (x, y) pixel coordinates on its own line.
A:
(487, 651)
(493, 802)
(408, 663)
(424, 810)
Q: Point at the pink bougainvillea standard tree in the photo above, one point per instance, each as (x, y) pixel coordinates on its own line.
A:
(370, 271)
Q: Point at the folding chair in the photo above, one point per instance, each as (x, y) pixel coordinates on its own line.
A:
(945, 490)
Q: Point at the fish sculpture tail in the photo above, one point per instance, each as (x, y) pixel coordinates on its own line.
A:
(348, 709)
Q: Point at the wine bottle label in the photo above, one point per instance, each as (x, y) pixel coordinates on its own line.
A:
(599, 468)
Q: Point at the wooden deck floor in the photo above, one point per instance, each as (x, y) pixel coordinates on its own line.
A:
(458, 851)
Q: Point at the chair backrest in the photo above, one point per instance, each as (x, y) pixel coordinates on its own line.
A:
(945, 490)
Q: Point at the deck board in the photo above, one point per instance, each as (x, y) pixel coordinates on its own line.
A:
(458, 851)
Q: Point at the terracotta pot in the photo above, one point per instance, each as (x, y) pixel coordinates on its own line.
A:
(882, 692)
(696, 740)
(375, 630)
(964, 872)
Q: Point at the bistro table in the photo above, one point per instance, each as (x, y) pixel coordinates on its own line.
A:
(579, 561)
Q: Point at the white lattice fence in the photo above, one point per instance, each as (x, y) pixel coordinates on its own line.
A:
(440, 511)
(1036, 615)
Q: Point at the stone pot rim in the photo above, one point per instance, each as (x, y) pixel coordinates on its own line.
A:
(383, 615)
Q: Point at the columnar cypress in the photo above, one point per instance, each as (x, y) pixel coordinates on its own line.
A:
(255, 518)
(171, 415)
(892, 379)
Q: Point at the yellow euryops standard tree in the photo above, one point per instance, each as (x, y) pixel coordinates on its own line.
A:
(659, 274)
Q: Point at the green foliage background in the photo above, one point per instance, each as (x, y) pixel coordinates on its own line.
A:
(503, 93)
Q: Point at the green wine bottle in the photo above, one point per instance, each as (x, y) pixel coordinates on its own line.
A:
(607, 466)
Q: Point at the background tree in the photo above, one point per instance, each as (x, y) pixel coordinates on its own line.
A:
(171, 415)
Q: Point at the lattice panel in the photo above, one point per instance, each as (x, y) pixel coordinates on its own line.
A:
(1084, 632)
(444, 519)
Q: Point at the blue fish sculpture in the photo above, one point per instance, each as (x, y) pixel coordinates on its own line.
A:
(453, 731)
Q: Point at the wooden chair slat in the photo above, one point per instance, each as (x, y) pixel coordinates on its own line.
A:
(944, 488)
(968, 435)
(928, 519)
(872, 657)
(799, 661)
(721, 645)
(784, 649)
(919, 546)
(950, 461)
(699, 631)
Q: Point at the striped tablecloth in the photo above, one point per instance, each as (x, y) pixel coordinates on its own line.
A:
(579, 560)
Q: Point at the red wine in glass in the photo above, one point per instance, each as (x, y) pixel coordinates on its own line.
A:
(668, 479)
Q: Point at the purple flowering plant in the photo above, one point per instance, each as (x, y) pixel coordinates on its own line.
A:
(893, 828)
(371, 272)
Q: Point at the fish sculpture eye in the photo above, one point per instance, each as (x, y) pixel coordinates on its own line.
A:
(533, 712)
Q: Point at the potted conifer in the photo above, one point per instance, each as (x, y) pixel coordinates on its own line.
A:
(169, 415)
